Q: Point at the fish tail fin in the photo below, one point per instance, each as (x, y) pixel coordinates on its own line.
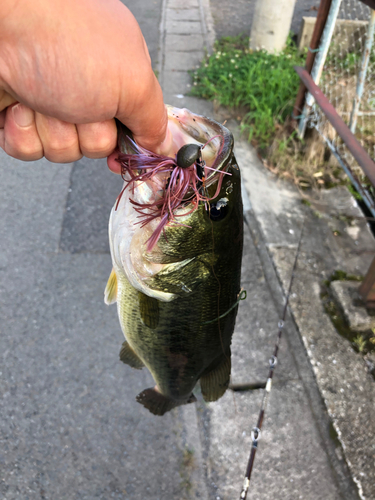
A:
(158, 404)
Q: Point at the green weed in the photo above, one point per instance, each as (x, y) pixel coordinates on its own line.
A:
(263, 84)
(340, 275)
(360, 343)
(354, 192)
(349, 61)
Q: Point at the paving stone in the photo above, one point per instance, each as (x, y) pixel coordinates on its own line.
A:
(176, 82)
(183, 4)
(188, 14)
(183, 61)
(188, 27)
(184, 42)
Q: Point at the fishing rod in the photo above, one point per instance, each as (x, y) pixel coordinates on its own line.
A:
(256, 431)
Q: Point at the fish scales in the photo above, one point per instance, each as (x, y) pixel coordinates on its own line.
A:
(179, 336)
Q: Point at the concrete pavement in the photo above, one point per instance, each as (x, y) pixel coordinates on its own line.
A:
(70, 427)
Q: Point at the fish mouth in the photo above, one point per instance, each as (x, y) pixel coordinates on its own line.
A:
(142, 210)
(163, 186)
(185, 127)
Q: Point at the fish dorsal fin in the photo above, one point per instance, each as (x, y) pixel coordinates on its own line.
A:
(149, 310)
(110, 292)
(158, 404)
(129, 357)
(215, 382)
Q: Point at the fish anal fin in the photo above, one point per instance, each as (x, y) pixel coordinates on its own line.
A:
(129, 357)
(215, 382)
(110, 292)
(158, 404)
(149, 310)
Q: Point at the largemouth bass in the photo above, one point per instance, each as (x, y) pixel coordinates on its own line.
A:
(176, 274)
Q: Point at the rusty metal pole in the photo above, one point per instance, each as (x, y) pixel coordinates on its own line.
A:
(319, 61)
(321, 19)
(367, 288)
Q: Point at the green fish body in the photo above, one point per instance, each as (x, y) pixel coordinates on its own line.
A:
(177, 303)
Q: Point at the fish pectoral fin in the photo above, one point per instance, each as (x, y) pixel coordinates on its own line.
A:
(129, 357)
(215, 382)
(149, 310)
(110, 292)
(158, 404)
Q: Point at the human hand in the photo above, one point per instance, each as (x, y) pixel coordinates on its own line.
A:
(67, 68)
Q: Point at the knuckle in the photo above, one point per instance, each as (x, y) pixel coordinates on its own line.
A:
(27, 150)
(62, 155)
(102, 147)
(57, 150)
(98, 140)
(55, 145)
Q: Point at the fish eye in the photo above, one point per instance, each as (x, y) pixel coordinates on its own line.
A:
(218, 210)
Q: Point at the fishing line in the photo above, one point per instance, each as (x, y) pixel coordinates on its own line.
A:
(241, 296)
(218, 282)
(256, 431)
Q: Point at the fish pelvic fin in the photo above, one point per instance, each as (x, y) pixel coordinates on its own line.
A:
(216, 381)
(158, 404)
(129, 357)
(110, 292)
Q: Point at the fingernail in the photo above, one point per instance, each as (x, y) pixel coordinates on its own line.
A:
(23, 116)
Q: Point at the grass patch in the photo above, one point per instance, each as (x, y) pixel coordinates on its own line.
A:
(340, 275)
(263, 85)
